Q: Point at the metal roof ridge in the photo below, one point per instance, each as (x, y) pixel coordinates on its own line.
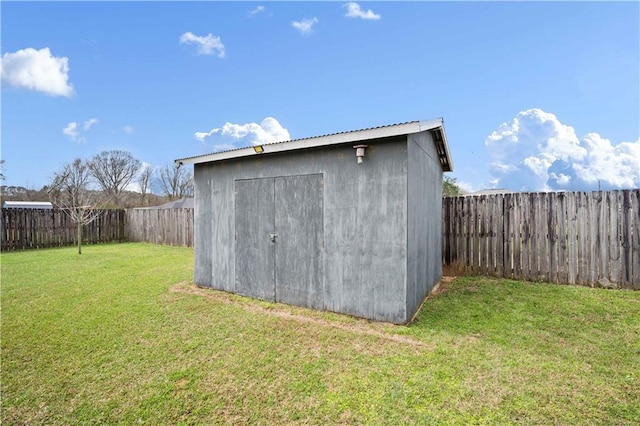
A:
(431, 123)
(389, 130)
(301, 139)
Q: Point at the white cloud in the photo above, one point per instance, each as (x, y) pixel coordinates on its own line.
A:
(354, 11)
(207, 45)
(71, 130)
(37, 70)
(536, 152)
(90, 122)
(257, 10)
(232, 135)
(618, 165)
(466, 187)
(74, 131)
(144, 166)
(128, 129)
(305, 26)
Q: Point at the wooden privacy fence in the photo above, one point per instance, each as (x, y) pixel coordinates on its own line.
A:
(590, 238)
(160, 226)
(36, 228)
(563, 237)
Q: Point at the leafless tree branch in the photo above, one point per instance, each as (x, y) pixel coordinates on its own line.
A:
(69, 191)
(175, 182)
(144, 180)
(113, 170)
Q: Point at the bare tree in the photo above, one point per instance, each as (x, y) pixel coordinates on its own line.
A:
(69, 190)
(2, 187)
(113, 170)
(144, 180)
(175, 182)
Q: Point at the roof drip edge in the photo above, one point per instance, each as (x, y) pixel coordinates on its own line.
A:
(380, 132)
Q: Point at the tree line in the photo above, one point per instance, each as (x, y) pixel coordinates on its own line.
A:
(82, 188)
(113, 179)
(114, 171)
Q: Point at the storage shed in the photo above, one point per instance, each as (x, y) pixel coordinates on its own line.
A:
(348, 222)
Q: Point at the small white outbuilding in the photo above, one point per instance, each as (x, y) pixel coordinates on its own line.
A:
(40, 205)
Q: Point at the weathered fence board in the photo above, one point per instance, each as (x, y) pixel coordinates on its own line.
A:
(160, 226)
(35, 228)
(635, 240)
(614, 239)
(564, 237)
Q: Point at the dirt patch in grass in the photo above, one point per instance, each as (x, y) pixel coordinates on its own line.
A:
(443, 286)
(356, 325)
(454, 270)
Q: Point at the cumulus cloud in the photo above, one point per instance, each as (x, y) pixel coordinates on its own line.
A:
(232, 135)
(207, 45)
(354, 11)
(257, 10)
(74, 131)
(536, 152)
(305, 26)
(467, 188)
(37, 70)
(128, 129)
(89, 123)
(617, 165)
(71, 131)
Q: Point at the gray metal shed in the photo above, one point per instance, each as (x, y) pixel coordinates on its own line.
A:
(308, 223)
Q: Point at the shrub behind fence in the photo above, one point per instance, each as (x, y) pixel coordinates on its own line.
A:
(36, 228)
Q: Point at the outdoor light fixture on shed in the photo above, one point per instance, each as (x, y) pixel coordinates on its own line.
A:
(360, 152)
(258, 149)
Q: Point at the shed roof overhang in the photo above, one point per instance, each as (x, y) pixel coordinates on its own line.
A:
(435, 126)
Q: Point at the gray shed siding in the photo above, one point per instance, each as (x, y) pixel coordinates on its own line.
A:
(424, 254)
(381, 223)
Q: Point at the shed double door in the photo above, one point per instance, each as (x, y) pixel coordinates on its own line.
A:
(279, 237)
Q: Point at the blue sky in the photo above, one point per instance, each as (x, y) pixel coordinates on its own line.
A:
(535, 96)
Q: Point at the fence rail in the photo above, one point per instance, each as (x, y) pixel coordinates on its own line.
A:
(35, 228)
(587, 238)
(160, 226)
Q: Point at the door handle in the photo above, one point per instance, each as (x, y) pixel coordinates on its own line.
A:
(272, 236)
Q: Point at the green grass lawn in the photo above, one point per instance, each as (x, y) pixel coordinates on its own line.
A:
(119, 335)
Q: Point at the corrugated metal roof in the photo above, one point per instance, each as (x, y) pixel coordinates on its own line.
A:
(390, 130)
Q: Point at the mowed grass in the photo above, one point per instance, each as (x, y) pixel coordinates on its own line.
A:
(119, 335)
